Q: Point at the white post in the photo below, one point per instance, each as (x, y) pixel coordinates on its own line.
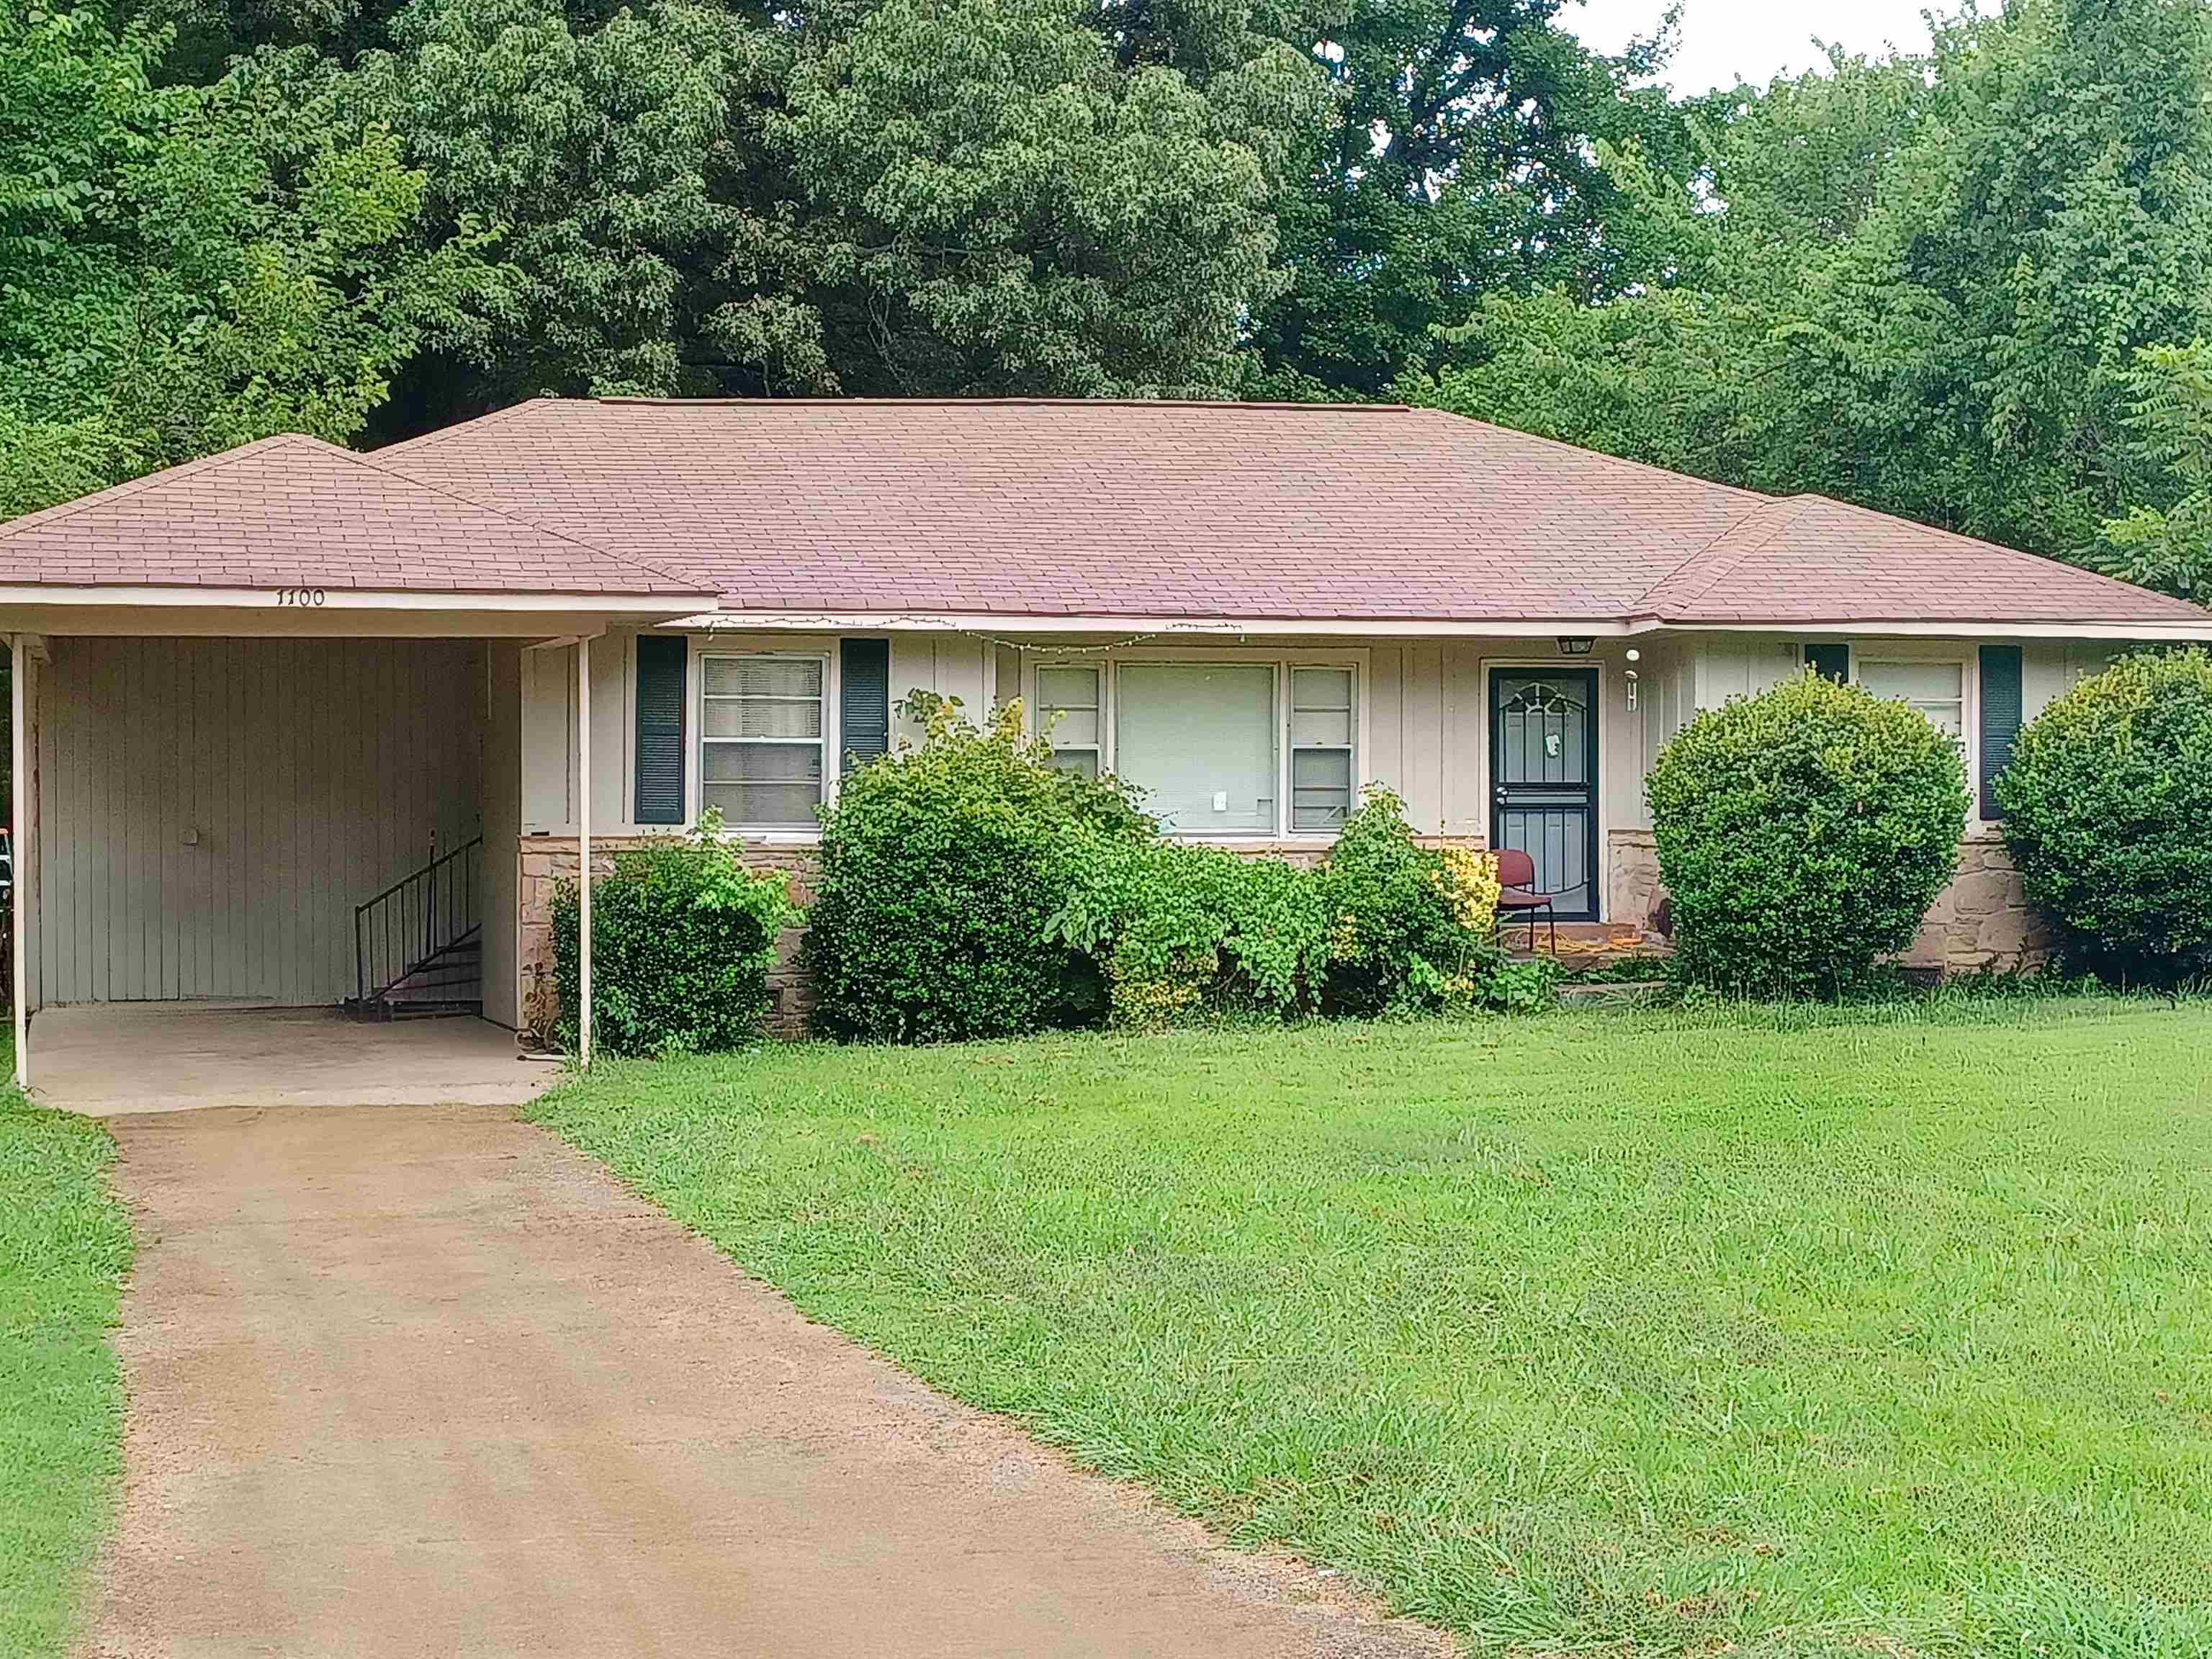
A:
(584, 851)
(19, 772)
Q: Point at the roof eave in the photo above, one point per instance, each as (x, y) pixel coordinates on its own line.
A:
(2133, 629)
(161, 596)
(1030, 624)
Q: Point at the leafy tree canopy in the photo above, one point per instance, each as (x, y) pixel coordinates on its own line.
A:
(184, 268)
(1960, 287)
(1919, 285)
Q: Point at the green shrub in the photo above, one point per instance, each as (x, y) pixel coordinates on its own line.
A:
(1411, 926)
(1182, 932)
(2108, 805)
(1383, 925)
(1803, 834)
(940, 866)
(682, 938)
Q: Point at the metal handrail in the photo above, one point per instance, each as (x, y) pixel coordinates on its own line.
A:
(384, 930)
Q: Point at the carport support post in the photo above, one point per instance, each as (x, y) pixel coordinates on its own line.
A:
(583, 853)
(18, 770)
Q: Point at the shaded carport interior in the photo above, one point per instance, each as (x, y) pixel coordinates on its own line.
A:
(248, 693)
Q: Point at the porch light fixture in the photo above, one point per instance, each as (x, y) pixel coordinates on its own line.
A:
(1574, 647)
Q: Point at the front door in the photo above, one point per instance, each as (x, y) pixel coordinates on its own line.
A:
(1543, 780)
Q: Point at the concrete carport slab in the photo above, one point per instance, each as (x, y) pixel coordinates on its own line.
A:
(164, 1057)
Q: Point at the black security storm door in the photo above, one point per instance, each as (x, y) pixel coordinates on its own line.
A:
(1543, 780)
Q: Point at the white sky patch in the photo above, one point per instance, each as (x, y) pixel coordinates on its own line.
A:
(1723, 40)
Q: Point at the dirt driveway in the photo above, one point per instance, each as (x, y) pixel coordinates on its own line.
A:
(414, 1381)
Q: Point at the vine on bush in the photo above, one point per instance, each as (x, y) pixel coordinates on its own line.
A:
(1182, 932)
(969, 888)
(1803, 834)
(2108, 810)
(1383, 925)
(1412, 927)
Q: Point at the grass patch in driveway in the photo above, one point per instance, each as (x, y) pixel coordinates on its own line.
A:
(1878, 1333)
(65, 1247)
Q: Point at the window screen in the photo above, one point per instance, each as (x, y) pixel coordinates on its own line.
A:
(1937, 690)
(1322, 724)
(761, 740)
(1069, 715)
(1830, 661)
(1200, 740)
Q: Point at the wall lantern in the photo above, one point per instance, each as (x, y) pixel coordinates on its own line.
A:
(1575, 648)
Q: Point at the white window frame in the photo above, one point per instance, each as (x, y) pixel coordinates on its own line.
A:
(1883, 652)
(1101, 678)
(1282, 662)
(1966, 661)
(1287, 679)
(704, 645)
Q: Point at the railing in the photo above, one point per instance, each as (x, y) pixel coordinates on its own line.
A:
(409, 923)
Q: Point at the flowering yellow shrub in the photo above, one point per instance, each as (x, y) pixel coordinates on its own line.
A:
(1468, 881)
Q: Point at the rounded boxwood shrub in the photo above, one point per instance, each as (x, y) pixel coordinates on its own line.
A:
(1803, 834)
(682, 938)
(940, 867)
(2108, 810)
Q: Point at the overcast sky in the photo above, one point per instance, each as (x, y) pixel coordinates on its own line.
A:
(1756, 39)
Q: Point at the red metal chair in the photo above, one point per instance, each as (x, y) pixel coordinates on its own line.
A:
(1517, 880)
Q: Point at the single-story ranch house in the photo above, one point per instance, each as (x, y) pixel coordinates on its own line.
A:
(292, 722)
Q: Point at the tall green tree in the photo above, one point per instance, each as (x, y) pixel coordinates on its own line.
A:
(1917, 285)
(1003, 205)
(2170, 420)
(902, 196)
(599, 153)
(184, 268)
(1457, 160)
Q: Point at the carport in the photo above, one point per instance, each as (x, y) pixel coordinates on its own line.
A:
(109, 1058)
(266, 763)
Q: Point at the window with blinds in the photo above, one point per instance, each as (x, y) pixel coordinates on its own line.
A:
(1321, 727)
(761, 761)
(1937, 690)
(1200, 740)
(1069, 715)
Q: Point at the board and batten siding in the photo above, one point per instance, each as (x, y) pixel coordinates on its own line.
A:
(210, 811)
(1427, 723)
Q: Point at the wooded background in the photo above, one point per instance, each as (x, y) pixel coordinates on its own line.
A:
(1969, 286)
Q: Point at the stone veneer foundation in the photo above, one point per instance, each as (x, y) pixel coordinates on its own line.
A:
(1981, 922)
(549, 861)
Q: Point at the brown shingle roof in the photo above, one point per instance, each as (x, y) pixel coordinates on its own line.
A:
(1219, 510)
(1808, 560)
(1072, 508)
(295, 511)
(1045, 509)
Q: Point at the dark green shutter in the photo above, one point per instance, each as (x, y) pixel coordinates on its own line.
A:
(661, 699)
(2000, 711)
(1830, 661)
(864, 700)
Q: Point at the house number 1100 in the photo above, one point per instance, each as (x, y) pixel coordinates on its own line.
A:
(296, 596)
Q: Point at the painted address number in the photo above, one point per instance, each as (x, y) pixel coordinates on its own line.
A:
(300, 596)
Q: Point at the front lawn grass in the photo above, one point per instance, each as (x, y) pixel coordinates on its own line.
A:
(64, 1247)
(1885, 1333)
